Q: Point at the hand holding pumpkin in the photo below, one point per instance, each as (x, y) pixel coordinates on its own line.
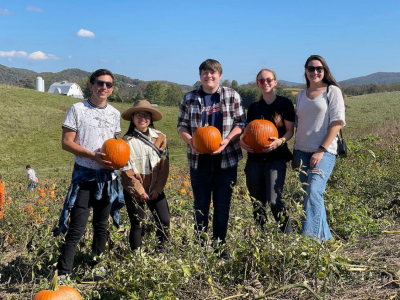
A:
(193, 147)
(274, 144)
(222, 145)
(245, 146)
(99, 158)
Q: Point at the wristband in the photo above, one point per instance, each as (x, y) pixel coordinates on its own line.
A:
(283, 141)
(323, 148)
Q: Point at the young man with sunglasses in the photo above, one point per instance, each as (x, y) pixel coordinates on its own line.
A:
(214, 173)
(87, 125)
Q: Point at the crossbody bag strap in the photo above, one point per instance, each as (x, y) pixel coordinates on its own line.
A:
(147, 142)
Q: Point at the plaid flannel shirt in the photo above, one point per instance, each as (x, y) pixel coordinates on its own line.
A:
(233, 115)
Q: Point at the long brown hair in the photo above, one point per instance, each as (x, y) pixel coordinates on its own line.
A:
(328, 77)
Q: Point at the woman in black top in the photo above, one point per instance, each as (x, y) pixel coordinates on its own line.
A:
(266, 172)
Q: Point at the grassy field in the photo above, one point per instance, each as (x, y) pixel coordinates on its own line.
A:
(30, 129)
(362, 201)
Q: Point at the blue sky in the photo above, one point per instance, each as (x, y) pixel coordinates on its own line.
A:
(167, 40)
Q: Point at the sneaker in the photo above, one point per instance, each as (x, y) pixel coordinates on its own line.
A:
(99, 274)
(61, 280)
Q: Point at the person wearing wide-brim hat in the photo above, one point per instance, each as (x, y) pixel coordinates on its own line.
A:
(145, 106)
(146, 173)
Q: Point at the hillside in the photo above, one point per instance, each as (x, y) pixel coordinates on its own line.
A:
(12, 75)
(375, 78)
(31, 124)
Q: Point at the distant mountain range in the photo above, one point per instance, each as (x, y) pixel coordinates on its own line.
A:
(375, 78)
(27, 78)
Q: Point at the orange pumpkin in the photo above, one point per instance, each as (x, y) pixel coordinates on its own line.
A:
(117, 152)
(58, 292)
(29, 209)
(207, 139)
(258, 133)
(2, 196)
(42, 195)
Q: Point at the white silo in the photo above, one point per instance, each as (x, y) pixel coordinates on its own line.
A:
(39, 84)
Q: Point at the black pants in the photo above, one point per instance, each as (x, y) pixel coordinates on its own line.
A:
(160, 211)
(265, 182)
(79, 216)
(209, 179)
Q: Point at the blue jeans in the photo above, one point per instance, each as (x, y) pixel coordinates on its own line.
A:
(265, 181)
(31, 186)
(209, 178)
(315, 224)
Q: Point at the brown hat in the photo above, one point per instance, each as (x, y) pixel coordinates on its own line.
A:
(142, 105)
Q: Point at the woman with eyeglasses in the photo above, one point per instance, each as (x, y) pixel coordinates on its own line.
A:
(266, 172)
(146, 173)
(320, 114)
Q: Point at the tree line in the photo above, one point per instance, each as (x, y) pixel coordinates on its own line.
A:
(362, 89)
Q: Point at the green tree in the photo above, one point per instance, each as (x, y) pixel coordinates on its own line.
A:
(226, 83)
(155, 92)
(173, 95)
(139, 96)
(249, 94)
(234, 84)
(87, 93)
(197, 84)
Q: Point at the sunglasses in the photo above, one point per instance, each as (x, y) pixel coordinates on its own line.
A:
(146, 116)
(311, 69)
(268, 80)
(100, 83)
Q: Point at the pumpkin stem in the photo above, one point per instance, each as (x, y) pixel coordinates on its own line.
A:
(54, 281)
(206, 125)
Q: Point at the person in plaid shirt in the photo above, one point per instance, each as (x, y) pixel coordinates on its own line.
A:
(214, 173)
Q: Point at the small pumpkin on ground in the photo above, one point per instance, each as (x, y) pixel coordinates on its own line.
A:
(258, 133)
(207, 139)
(58, 292)
(116, 151)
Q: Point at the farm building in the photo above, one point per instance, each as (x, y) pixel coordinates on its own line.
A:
(66, 88)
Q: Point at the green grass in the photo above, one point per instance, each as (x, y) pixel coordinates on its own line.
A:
(30, 127)
(372, 109)
(30, 131)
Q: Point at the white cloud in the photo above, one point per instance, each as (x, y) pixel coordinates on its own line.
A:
(69, 56)
(5, 12)
(85, 33)
(13, 53)
(39, 55)
(104, 60)
(34, 8)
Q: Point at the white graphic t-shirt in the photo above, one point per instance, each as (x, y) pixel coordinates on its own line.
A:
(93, 126)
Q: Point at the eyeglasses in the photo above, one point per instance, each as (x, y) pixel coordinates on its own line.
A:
(311, 69)
(146, 116)
(100, 83)
(268, 80)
